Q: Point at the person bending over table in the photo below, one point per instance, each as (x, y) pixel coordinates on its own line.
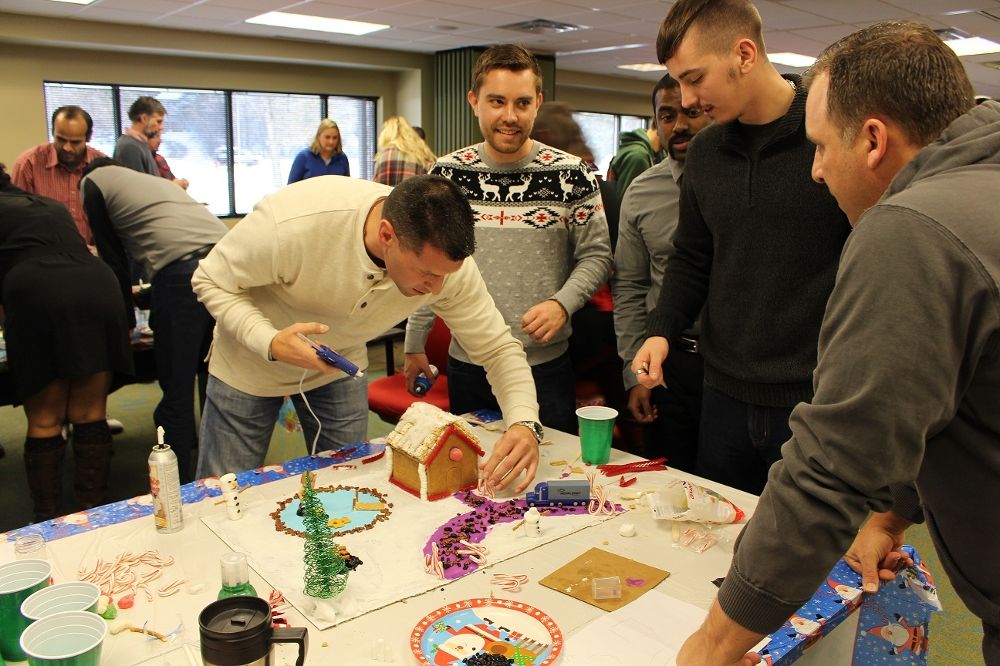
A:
(66, 334)
(341, 260)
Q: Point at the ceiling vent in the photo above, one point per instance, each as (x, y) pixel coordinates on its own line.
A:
(542, 27)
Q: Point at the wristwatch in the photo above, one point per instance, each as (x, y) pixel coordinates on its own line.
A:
(535, 427)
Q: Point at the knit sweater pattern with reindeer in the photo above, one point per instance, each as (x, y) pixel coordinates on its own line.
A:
(540, 234)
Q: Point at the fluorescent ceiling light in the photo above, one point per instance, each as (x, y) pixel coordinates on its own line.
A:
(75, 2)
(791, 59)
(971, 46)
(643, 67)
(318, 23)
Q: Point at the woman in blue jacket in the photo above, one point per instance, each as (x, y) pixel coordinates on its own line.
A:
(324, 156)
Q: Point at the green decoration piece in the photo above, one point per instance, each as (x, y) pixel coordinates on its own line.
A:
(326, 574)
(110, 613)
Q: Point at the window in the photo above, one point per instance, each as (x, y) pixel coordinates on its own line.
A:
(601, 130)
(194, 132)
(97, 101)
(269, 129)
(233, 146)
(356, 119)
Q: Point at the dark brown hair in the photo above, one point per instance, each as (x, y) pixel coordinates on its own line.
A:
(897, 70)
(721, 23)
(514, 57)
(145, 105)
(432, 210)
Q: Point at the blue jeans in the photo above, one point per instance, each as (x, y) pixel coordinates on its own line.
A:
(236, 427)
(183, 329)
(555, 385)
(738, 441)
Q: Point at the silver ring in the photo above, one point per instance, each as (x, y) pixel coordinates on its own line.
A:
(641, 371)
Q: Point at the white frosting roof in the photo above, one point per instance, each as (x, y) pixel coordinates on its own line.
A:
(419, 430)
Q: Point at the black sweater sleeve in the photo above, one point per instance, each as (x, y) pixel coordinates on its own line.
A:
(109, 246)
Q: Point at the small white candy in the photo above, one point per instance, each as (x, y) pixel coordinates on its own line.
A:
(627, 530)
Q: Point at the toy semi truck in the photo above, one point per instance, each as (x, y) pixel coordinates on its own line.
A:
(564, 492)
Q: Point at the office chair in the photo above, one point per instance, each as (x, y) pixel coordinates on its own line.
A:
(388, 396)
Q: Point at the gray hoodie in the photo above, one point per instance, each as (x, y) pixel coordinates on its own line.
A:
(907, 391)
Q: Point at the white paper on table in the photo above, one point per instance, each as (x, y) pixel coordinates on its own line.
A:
(647, 632)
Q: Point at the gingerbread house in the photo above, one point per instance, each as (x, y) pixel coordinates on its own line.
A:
(432, 453)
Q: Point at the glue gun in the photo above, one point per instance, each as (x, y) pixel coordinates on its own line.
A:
(333, 358)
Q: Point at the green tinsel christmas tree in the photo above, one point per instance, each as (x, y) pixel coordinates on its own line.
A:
(326, 574)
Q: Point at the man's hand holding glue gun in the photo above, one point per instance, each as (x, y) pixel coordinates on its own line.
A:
(292, 345)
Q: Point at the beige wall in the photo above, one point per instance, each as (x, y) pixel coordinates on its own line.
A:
(605, 94)
(201, 60)
(37, 49)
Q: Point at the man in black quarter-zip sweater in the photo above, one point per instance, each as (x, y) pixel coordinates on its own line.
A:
(757, 241)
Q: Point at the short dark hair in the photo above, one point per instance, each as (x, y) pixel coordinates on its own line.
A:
(721, 23)
(145, 105)
(899, 70)
(97, 163)
(71, 111)
(514, 57)
(420, 132)
(666, 83)
(432, 210)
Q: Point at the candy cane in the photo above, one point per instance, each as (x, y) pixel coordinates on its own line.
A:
(432, 561)
(475, 552)
(600, 502)
(509, 582)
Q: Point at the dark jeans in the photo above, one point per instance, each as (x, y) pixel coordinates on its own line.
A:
(739, 442)
(183, 332)
(674, 433)
(468, 390)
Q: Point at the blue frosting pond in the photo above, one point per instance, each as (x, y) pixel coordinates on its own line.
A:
(339, 503)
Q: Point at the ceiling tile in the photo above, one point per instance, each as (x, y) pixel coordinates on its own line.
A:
(780, 17)
(850, 11)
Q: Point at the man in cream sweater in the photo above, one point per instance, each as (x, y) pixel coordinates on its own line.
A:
(341, 260)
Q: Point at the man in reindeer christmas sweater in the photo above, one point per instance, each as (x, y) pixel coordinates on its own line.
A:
(542, 238)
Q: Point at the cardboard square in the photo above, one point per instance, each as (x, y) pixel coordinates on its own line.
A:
(574, 577)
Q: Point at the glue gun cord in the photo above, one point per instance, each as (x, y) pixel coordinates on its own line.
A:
(319, 425)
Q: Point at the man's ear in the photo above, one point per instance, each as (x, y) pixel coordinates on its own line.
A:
(386, 232)
(875, 136)
(747, 54)
(473, 102)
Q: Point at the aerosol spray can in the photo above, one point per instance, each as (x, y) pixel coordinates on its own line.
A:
(422, 384)
(165, 487)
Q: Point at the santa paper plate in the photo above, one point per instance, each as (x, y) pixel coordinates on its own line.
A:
(486, 632)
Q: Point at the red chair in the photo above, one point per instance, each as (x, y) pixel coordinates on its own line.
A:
(388, 396)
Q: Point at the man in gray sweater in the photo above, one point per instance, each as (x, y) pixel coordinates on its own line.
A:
(904, 422)
(132, 148)
(542, 241)
(167, 233)
(648, 219)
